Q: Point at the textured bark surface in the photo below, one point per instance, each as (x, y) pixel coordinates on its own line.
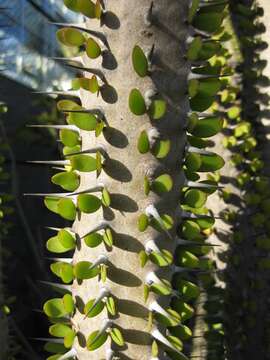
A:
(125, 168)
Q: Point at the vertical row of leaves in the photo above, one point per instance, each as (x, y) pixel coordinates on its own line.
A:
(208, 77)
(68, 205)
(245, 138)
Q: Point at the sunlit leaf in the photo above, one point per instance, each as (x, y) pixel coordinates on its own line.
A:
(162, 183)
(83, 163)
(143, 143)
(84, 121)
(96, 340)
(83, 271)
(70, 37)
(93, 240)
(68, 180)
(139, 61)
(69, 137)
(157, 109)
(117, 336)
(87, 8)
(88, 203)
(54, 308)
(143, 222)
(97, 309)
(162, 149)
(195, 198)
(67, 209)
(136, 103)
(93, 49)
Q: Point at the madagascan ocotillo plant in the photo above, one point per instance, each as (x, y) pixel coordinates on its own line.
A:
(134, 143)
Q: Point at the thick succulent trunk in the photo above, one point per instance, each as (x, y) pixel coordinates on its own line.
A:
(141, 165)
(125, 168)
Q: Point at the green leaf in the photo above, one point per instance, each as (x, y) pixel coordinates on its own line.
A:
(69, 137)
(103, 272)
(205, 223)
(190, 230)
(193, 10)
(68, 180)
(166, 222)
(88, 203)
(106, 198)
(82, 270)
(96, 340)
(187, 259)
(67, 239)
(84, 121)
(143, 222)
(117, 336)
(70, 37)
(198, 142)
(211, 162)
(72, 5)
(67, 209)
(55, 348)
(188, 290)
(143, 143)
(99, 128)
(111, 306)
(209, 49)
(185, 311)
(162, 149)
(155, 350)
(98, 9)
(207, 127)
(210, 22)
(157, 109)
(201, 103)
(108, 238)
(68, 303)
(136, 103)
(96, 310)
(164, 258)
(146, 292)
(193, 87)
(63, 270)
(51, 203)
(60, 330)
(193, 162)
(67, 105)
(71, 150)
(93, 240)
(69, 339)
(163, 289)
(143, 258)
(54, 245)
(194, 48)
(195, 198)
(54, 308)
(162, 184)
(146, 185)
(176, 342)
(209, 87)
(91, 84)
(93, 49)
(83, 163)
(234, 112)
(87, 8)
(139, 60)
